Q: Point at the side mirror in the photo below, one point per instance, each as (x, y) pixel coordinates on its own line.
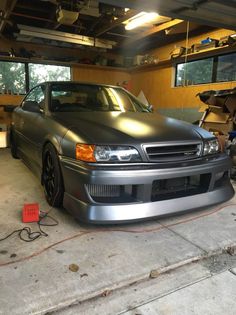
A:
(31, 106)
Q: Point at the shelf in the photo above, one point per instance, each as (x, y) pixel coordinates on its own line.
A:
(161, 63)
(200, 54)
(206, 53)
(146, 67)
(60, 63)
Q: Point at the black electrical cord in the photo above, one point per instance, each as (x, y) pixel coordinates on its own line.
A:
(27, 235)
(33, 235)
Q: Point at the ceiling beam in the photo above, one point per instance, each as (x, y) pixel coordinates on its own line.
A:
(153, 30)
(9, 6)
(168, 7)
(129, 14)
(228, 3)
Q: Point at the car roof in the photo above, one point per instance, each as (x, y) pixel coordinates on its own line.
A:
(79, 82)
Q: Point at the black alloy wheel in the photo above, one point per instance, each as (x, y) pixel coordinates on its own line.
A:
(52, 178)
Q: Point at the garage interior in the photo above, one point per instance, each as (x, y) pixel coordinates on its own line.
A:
(183, 264)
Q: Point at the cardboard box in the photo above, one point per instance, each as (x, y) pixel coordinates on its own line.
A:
(218, 128)
(215, 120)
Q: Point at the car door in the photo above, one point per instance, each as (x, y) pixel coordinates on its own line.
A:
(32, 111)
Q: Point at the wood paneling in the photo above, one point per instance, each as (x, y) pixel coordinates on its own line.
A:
(157, 87)
(104, 75)
(6, 99)
(158, 84)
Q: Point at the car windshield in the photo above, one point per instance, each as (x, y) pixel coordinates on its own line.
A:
(85, 97)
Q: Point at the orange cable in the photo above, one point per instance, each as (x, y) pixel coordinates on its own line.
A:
(118, 230)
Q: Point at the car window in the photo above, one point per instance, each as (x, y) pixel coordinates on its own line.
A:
(73, 97)
(37, 98)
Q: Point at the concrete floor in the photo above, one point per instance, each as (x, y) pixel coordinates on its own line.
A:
(184, 264)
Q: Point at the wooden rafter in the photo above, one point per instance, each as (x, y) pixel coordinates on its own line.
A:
(153, 30)
(129, 14)
(9, 6)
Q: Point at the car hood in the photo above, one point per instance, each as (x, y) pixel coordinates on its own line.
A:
(128, 127)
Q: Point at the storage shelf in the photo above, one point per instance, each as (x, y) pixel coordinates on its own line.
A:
(199, 54)
(152, 66)
(146, 67)
(207, 53)
(60, 63)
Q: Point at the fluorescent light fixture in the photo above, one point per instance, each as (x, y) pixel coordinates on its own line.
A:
(140, 19)
(64, 37)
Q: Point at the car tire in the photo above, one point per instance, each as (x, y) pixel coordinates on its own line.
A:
(52, 177)
(13, 145)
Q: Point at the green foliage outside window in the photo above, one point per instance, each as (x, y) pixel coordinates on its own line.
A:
(39, 73)
(195, 72)
(12, 77)
(208, 70)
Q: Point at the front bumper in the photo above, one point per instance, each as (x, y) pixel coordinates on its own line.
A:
(78, 200)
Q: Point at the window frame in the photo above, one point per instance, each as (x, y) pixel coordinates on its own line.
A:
(27, 74)
(213, 74)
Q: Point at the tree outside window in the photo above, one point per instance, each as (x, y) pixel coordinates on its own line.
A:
(195, 72)
(39, 73)
(12, 77)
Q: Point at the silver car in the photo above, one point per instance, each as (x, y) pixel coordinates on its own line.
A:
(107, 158)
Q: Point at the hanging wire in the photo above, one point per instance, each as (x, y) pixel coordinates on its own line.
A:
(185, 66)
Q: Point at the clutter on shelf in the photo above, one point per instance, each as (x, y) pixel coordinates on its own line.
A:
(204, 44)
(179, 51)
(145, 60)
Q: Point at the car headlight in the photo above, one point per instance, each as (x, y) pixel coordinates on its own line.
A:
(106, 153)
(211, 147)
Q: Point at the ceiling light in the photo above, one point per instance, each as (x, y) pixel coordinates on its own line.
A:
(140, 19)
(36, 32)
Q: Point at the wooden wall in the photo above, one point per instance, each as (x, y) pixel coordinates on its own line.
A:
(5, 117)
(158, 83)
(100, 74)
(158, 88)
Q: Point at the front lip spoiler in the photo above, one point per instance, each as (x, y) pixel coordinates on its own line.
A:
(79, 203)
(125, 213)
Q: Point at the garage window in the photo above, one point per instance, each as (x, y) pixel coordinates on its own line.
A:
(226, 70)
(39, 73)
(208, 70)
(12, 77)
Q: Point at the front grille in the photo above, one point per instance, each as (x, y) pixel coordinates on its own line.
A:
(112, 193)
(180, 187)
(104, 190)
(172, 152)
